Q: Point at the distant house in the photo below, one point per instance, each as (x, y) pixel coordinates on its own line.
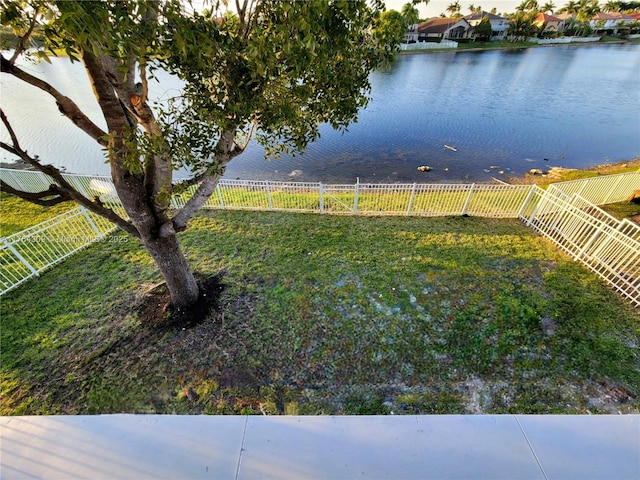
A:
(614, 22)
(551, 23)
(499, 25)
(570, 21)
(411, 35)
(566, 17)
(435, 28)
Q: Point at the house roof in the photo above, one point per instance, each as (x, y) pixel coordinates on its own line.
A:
(612, 16)
(481, 15)
(544, 17)
(604, 16)
(440, 25)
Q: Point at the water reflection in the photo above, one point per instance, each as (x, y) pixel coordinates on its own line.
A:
(507, 109)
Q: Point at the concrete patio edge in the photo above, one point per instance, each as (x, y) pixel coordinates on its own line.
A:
(299, 447)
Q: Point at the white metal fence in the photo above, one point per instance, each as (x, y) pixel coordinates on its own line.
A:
(606, 245)
(603, 189)
(360, 198)
(25, 254)
(565, 213)
(406, 47)
(368, 199)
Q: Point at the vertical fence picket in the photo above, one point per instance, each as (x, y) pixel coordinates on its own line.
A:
(269, 196)
(355, 200)
(466, 203)
(612, 190)
(411, 199)
(219, 195)
(16, 181)
(90, 220)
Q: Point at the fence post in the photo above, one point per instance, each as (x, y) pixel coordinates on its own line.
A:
(535, 210)
(90, 220)
(269, 196)
(466, 203)
(20, 257)
(355, 200)
(219, 195)
(526, 201)
(582, 187)
(321, 197)
(613, 189)
(413, 195)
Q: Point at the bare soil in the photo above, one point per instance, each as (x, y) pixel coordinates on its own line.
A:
(156, 309)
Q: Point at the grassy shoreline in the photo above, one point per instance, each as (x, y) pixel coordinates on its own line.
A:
(559, 174)
(505, 45)
(18, 214)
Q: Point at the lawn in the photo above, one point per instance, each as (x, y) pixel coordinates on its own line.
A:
(16, 214)
(327, 315)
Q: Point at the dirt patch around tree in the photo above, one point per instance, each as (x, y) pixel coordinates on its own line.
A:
(156, 310)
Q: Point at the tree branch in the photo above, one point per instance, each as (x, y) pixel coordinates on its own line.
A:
(47, 198)
(227, 146)
(63, 188)
(22, 43)
(66, 106)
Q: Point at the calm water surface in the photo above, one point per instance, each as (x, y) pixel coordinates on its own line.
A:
(503, 110)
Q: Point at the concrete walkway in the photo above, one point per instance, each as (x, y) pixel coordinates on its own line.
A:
(405, 447)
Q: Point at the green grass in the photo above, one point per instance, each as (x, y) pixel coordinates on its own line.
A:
(622, 210)
(372, 200)
(17, 214)
(328, 315)
(566, 175)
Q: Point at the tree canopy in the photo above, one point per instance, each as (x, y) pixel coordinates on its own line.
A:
(273, 69)
(483, 30)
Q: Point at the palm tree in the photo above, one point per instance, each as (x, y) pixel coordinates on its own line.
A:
(454, 9)
(585, 12)
(611, 6)
(571, 7)
(532, 5)
(548, 7)
(410, 14)
(527, 6)
(521, 26)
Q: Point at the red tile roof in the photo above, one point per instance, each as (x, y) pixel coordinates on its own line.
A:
(544, 17)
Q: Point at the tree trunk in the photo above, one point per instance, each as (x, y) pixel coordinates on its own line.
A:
(112, 89)
(179, 279)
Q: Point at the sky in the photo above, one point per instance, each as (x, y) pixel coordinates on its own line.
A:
(436, 7)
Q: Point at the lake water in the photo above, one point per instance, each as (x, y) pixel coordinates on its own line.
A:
(503, 110)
